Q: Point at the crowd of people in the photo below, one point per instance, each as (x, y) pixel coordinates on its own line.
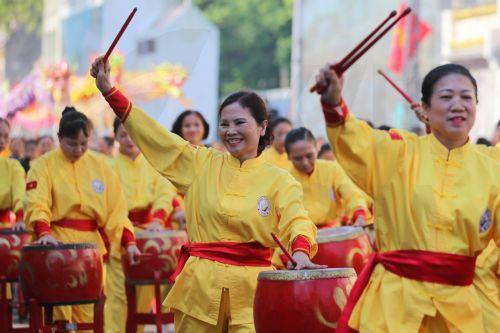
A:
(433, 198)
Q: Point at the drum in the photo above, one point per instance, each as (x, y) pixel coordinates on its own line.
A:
(343, 247)
(62, 274)
(11, 243)
(301, 301)
(160, 253)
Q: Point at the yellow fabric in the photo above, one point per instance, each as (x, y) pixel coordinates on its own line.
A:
(184, 323)
(426, 198)
(12, 184)
(143, 186)
(85, 189)
(83, 313)
(493, 152)
(329, 194)
(224, 201)
(271, 155)
(5, 153)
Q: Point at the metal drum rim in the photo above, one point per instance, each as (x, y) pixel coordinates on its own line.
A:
(159, 234)
(9, 231)
(64, 246)
(307, 274)
(356, 232)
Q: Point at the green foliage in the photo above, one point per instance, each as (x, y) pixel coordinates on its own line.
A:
(255, 41)
(27, 13)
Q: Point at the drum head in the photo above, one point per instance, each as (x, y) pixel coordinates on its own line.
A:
(9, 231)
(66, 246)
(307, 274)
(338, 234)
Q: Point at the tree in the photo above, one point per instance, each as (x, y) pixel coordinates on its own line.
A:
(15, 13)
(255, 41)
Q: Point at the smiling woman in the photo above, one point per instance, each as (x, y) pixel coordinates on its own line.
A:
(437, 205)
(233, 203)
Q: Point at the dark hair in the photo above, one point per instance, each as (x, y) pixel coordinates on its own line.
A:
(483, 141)
(5, 121)
(257, 107)
(116, 125)
(438, 73)
(384, 128)
(279, 120)
(109, 141)
(72, 122)
(40, 138)
(324, 148)
(298, 134)
(177, 126)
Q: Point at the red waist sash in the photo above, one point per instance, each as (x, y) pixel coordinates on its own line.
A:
(139, 217)
(425, 266)
(4, 215)
(231, 253)
(80, 225)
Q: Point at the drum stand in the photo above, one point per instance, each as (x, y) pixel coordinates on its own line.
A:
(6, 310)
(135, 318)
(45, 323)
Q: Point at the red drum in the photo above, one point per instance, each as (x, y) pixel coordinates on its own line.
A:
(11, 243)
(160, 253)
(343, 247)
(62, 274)
(301, 301)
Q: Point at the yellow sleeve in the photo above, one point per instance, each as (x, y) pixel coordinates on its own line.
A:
(164, 194)
(293, 218)
(18, 185)
(38, 199)
(169, 154)
(370, 157)
(352, 197)
(117, 212)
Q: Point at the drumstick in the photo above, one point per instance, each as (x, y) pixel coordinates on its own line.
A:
(277, 240)
(119, 35)
(352, 57)
(401, 91)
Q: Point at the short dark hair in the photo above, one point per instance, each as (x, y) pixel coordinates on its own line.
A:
(72, 122)
(279, 120)
(177, 126)
(298, 134)
(324, 148)
(255, 104)
(438, 73)
(483, 141)
(40, 138)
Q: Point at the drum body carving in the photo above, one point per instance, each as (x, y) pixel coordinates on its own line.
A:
(301, 301)
(11, 243)
(61, 274)
(343, 247)
(160, 253)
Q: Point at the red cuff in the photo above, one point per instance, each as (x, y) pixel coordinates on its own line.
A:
(334, 115)
(119, 103)
(359, 212)
(128, 238)
(160, 214)
(301, 243)
(19, 215)
(42, 228)
(175, 203)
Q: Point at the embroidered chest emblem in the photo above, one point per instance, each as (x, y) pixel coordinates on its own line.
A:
(485, 222)
(98, 186)
(263, 206)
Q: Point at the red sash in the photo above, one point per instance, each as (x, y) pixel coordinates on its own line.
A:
(231, 253)
(80, 225)
(139, 217)
(4, 215)
(425, 266)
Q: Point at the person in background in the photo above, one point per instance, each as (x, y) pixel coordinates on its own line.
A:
(106, 146)
(30, 154)
(17, 148)
(326, 153)
(45, 144)
(276, 154)
(191, 126)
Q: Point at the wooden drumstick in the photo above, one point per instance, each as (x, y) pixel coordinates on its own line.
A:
(282, 247)
(119, 35)
(354, 55)
(401, 91)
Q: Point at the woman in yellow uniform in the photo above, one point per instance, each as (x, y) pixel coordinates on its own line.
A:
(149, 200)
(437, 205)
(71, 193)
(11, 183)
(233, 202)
(276, 154)
(330, 197)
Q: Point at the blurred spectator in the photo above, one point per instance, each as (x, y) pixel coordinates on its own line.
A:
(496, 136)
(483, 141)
(191, 126)
(17, 148)
(384, 127)
(45, 144)
(30, 153)
(326, 152)
(106, 146)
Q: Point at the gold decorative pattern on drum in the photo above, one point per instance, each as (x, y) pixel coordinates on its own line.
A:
(340, 298)
(322, 319)
(364, 251)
